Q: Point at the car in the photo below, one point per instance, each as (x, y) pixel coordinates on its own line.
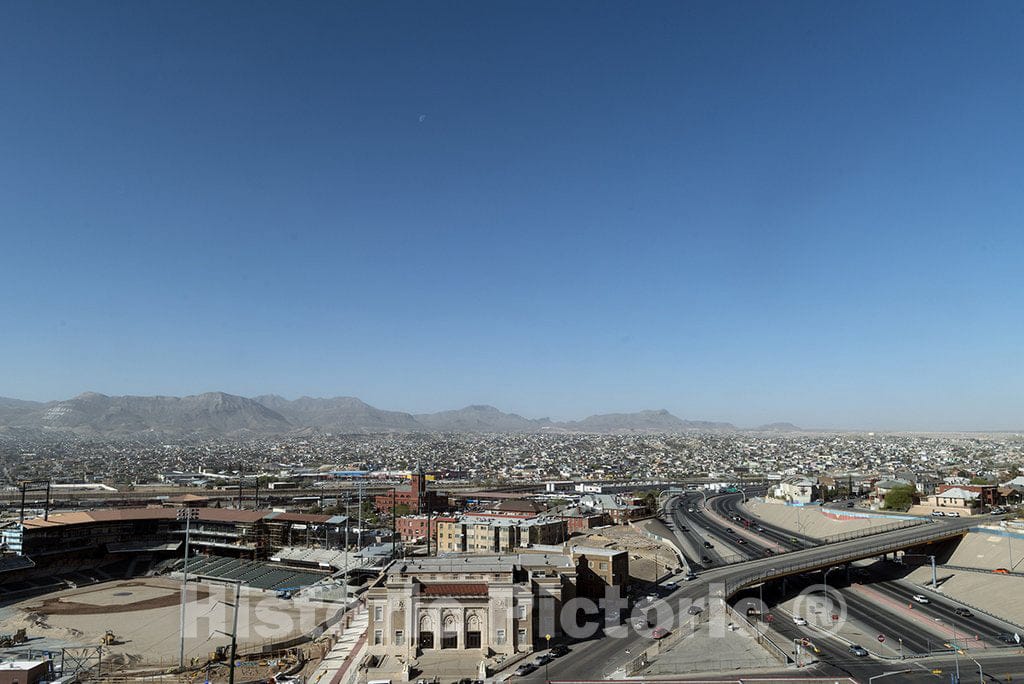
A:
(920, 598)
(952, 514)
(651, 598)
(759, 528)
(525, 669)
(859, 651)
(729, 530)
(671, 586)
(769, 552)
(694, 609)
(797, 620)
(741, 541)
(659, 633)
(938, 514)
(708, 545)
(542, 659)
(705, 559)
(1001, 571)
(963, 612)
(559, 651)
(639, 623)
(1006, 638)
(690, 576)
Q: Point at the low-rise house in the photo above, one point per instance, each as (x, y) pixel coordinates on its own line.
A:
(798, 490)
(955, 500)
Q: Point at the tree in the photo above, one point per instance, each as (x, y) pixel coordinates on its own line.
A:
(900, 498)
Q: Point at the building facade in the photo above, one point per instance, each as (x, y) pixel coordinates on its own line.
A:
(480, 534)
(487, 605)
(413, 499)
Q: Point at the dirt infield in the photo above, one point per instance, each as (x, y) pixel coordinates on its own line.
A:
(103, 599)
(144, 615)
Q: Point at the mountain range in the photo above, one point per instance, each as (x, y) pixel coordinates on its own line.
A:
(217, 414)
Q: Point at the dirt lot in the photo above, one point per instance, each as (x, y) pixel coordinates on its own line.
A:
(144, 616)
(645, 555)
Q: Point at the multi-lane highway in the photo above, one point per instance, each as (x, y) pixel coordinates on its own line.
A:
(600, 657)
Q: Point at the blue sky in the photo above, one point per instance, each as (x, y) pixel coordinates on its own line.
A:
(739, 211)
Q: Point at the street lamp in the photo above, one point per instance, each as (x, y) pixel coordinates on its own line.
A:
(981, 675)
(886, 674)
(547, 638)
(825, 582)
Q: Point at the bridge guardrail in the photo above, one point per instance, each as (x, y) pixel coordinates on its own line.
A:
(731, 587)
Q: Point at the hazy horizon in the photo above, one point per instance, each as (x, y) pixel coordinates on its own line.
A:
(743, 212)
(557, 418)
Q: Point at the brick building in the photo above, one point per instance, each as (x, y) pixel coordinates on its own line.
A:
(413, 527)
(414, 498)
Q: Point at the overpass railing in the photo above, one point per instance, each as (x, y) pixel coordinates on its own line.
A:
(872, 531)
(733, 586)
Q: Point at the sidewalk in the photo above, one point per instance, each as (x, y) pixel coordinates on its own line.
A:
(348, 645)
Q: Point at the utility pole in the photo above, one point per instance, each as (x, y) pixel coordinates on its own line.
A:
(348, 521)
(234, 633)
(186, 514)
(240, 475)
(956, 654)
(394, 520)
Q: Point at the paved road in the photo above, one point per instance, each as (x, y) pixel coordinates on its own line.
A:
(600, 657)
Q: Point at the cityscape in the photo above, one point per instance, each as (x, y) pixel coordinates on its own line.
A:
(451, 342)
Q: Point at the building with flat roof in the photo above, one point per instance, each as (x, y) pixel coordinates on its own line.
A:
(489, 534)
(217, 531)
(597, 569)
(497, 604)
(24, 671)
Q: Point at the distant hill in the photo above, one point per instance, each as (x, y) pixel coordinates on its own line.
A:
(778, 427)
(644, 421)
(217, 414)
(339, 414)
(210, 414)
(12, 409)
(479, 419)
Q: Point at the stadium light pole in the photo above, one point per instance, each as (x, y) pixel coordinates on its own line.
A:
(234, 627)
(186, 514)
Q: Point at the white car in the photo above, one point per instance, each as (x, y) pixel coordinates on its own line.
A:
(797, 620)
(920, 598)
